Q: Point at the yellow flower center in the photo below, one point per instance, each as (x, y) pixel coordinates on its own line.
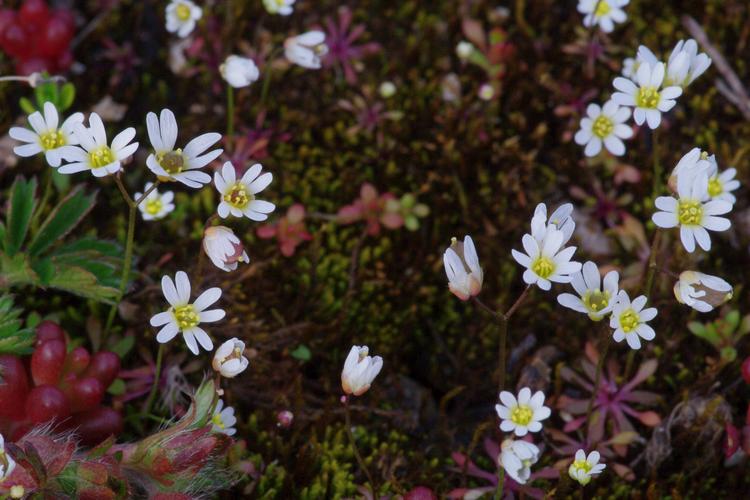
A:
(602, 8)
(715, 187)
(629, 320)
(647, 97)
(238, 196)
(172, 162)
(602, 127)
(154, 206)
(582, 465)
(690, 213)
(183, 12)
(52, 140)
(521, 415)
(218, 422)
(596, 300)
(186, 316)
(543, 267)
(101, 156)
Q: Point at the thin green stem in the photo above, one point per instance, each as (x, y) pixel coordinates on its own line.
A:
(502, 346)
(652, 264)
(45, 197)
(357, 455)
(230, 114)
(267, 77)
(597, 381)
(157, 378)
(658, 171)
(500, 482)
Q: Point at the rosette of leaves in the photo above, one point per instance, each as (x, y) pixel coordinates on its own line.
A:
(43, 257)
(723, 333)
(13, 338)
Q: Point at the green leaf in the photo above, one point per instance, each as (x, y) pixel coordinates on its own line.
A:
(44, 269)
(733, 319)
(62, 220)
(26, 105)
(123, 346)
(729, 354)
(13, 338)
(61, 181)
(22, 203)
(302, 353)
(67, 95)
(117, 388)
(81, 282)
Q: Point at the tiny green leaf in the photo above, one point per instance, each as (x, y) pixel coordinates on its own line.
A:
(302, 353)
(22, 204)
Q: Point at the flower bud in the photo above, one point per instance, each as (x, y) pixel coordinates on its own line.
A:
(229, 359)
(462, 268)
(284, 419)
(359, 371)
(224, 248)
(464, 50)
(702, 292)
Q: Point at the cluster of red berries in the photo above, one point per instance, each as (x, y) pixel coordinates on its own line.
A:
(65, 387)
(36, 37)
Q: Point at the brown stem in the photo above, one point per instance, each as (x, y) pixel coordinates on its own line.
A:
(652, 266)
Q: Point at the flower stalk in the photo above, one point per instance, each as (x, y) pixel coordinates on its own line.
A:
(355, 449)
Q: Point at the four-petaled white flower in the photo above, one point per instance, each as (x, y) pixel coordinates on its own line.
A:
(239, 71)
(702, 292)
(223, 420)
(306, 49)
(359, 371)
(238, 196)
(584, 467)
(224, 248)
(721, 184)
(7, 464)
(547, 262)
(182, 16)
(629, 320)
(646, 94)
(685, 64)
(94, 153)
(229, 360)
(522, 415)
(282, 7)
(156, 205)
(560, 219)
(184, 316)
(46, 137)
(179, 165)
(693, 212)
(517, 457)
(604, 126)
(462, 268)
(604, 13)
(594, 300)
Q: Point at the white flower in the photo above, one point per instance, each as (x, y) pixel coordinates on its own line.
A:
(595, 300)
(702, 292)
(183, 316)
(46, 137)
(646, 94)
(517, 457)
(156, 205)
(629, 67)
(690, 164)
(238, 196)
(224, 248)
(239, 71)
(387, 90)
(464, 50)
(522, 415)
(629, 320)
(283, 7)
(179, 165)
(461, 264)
(560, 219)
(546, 262)
(359, 371)
(486, 92)
(685, 64)
(584, 467)
(94, 153)
(721, 185)
(229, 360)
(605, 13)
(224, 419)
(693, 212)
(306, 49)
(182, 16)
(604, 125)
(7, 464)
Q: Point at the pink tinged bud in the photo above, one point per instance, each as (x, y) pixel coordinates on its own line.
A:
(229, 359)
(702, 292)
(462, 268)
(284, 419)
(224, 248)
(359, 371)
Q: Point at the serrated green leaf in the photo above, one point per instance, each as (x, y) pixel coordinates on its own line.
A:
(61, 221)
(108, 248)
(26, 105)
(81, 282)
(44, 270)
(22, 204)
(16, 270)
(13, 338)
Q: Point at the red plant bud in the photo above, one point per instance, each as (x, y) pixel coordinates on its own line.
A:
(46, 403)
(14, 386)
(284, 419)
(47, 362)
(49, 330)
(104, 366)
(77, 361)
(97, 425)
(420, 493)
